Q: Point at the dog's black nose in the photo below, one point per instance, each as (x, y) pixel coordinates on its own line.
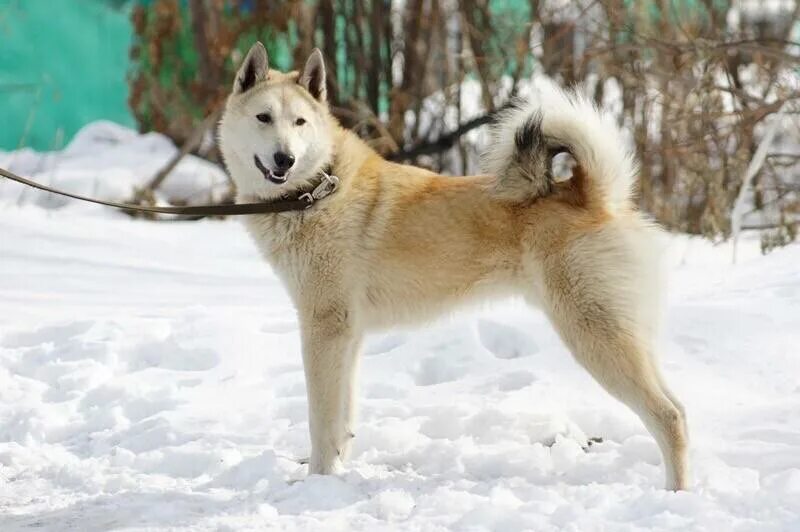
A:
(284, 161)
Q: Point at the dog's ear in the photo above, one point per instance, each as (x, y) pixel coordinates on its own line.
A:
(254, 69)
(313, 76)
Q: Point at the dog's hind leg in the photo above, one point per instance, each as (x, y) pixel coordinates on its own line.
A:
(671, 396)
(330, 346)
(605, 338)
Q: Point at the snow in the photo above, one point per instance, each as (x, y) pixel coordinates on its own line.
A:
(108, 161)
(150, 379)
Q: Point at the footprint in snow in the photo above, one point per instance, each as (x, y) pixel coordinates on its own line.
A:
(518, 380)
(438, 370)
(168, 354)
(50, 333)
(384, 344)
(504, 341)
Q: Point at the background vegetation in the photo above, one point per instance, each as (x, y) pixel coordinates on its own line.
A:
(697, 83)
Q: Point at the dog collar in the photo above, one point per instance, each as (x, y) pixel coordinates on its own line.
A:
(326, 184)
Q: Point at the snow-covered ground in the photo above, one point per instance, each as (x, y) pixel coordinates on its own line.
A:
(150, 378)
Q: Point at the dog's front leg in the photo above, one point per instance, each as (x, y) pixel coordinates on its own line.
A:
(350, 397)
(330, 342)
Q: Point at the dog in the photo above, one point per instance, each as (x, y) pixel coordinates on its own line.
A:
(397, 245)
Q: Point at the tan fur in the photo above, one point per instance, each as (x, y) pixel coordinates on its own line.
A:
(398, 245)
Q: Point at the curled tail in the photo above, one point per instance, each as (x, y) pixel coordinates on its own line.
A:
(529, 133)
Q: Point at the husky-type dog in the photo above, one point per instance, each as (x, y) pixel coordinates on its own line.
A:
(397, 244)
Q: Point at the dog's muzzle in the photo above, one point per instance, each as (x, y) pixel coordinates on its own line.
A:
(276, 177)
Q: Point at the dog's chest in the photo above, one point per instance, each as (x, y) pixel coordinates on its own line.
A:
(298, 249)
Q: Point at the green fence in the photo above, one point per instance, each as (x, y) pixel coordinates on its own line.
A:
(63, 63)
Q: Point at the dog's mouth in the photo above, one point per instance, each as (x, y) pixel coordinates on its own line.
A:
(271, 175)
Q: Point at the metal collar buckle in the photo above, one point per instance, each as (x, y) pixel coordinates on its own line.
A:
(326, 187)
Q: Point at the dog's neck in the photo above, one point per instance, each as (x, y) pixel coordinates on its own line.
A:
(310, 184)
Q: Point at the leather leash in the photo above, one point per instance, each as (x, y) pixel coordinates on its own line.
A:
(327, 185)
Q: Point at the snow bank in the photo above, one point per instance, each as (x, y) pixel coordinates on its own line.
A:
(109, 161)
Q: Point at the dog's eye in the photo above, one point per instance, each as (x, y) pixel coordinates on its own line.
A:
(264, 117)
(300, 121)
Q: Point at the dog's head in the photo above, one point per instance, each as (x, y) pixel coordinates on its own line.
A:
(276, 132)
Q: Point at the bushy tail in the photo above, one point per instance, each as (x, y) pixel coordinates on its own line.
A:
(518, 153)
(528, 133)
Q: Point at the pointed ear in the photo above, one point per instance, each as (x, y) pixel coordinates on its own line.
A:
(254, 69)
(313, 76)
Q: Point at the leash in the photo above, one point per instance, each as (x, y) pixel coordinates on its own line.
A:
(327, 185)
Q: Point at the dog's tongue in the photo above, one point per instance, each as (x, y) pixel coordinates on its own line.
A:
(277, 177)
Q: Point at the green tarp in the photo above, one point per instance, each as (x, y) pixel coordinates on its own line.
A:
(62, 64)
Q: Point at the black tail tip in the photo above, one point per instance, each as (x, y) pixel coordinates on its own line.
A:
(529, 135)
